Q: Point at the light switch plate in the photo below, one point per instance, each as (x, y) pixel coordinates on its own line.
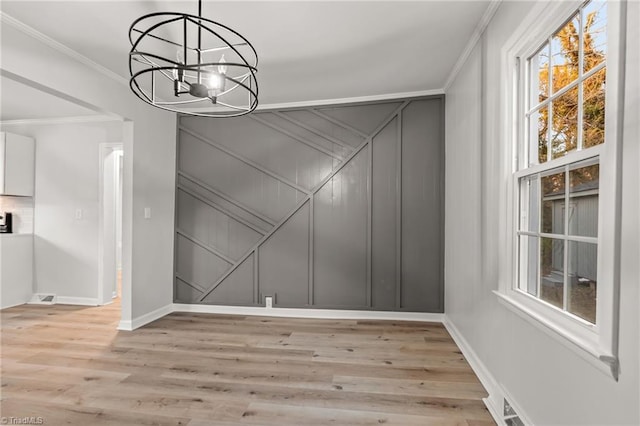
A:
(147, 212)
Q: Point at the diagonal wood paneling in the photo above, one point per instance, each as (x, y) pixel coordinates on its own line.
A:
(200, 221)
(238, 180)
(334, 130)
(364, 118)
(270, 149)
(317, 202)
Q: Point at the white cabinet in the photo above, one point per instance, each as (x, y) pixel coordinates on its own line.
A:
(17, 164)
(16, 269)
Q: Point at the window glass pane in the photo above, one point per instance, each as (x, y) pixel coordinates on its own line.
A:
(529, 207)
(583, 202)
(583, 272)
(553, 189)
(539, 132)
(552, 202)
(553, 216)
(552, 271)
(539, 71)
(564, 132)
(565, 54)
(529, 264)
(593, 106)
(595, 33)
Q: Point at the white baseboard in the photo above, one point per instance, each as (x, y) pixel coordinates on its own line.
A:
(85, 301)
(125, 325)
(308, 313)
(494, 400)
(130, 325)
(36, 299)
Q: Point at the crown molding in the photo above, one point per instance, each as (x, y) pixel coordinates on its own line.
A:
(343, 101)
(32, 32)
(477, 33)
(352, 100)
(97, 118)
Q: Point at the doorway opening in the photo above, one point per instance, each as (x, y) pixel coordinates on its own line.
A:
(110, 256)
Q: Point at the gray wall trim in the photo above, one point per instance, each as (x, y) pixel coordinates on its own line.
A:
(369, 215)
(176, 212)
(208, 248)
(307, 221)
(245, 160)
(296, 137)
(256, 275)
(221, 210)
(399, 212)
(189, 283)
(286, 218)
(314, 131)
(338, 122)
(253, 249)
(224, 197)
(311, 248)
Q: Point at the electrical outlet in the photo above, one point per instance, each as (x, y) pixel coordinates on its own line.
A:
(268, 302)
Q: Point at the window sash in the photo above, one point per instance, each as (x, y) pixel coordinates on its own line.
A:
(526, 91)
(530, 212)
(571, 157)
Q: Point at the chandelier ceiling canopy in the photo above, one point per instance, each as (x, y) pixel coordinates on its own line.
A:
(192, 65)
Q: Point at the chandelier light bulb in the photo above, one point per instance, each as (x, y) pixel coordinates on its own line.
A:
(222, 68)
(216, 82)
(177, 72)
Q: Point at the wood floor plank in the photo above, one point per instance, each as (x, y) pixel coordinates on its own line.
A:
(410, 387)
(69, 365)
(266, 414)
(62, 414)
(336, 397)
(132, 397)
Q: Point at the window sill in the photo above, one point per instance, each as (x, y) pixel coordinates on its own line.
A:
(588, 349)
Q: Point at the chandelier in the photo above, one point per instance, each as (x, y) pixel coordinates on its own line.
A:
(192, 65)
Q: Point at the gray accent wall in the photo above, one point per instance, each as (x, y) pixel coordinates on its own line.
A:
(329, 207)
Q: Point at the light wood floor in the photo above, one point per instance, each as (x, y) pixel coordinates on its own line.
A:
(69, 365)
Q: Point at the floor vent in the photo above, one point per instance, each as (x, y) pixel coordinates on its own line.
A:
(43, 299)
(511, 418)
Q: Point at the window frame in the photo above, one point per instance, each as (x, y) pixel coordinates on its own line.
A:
(596, 343)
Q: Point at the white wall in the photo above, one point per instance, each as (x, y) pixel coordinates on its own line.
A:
(149, 161)
(551, 384)
(67, 181)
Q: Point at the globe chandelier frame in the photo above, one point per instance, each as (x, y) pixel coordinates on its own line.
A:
(201, 87)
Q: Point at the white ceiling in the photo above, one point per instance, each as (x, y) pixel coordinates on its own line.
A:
(308, 51)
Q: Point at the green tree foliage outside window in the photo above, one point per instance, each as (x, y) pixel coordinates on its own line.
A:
(564, 134)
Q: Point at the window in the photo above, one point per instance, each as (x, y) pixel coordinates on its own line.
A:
(563, 204)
